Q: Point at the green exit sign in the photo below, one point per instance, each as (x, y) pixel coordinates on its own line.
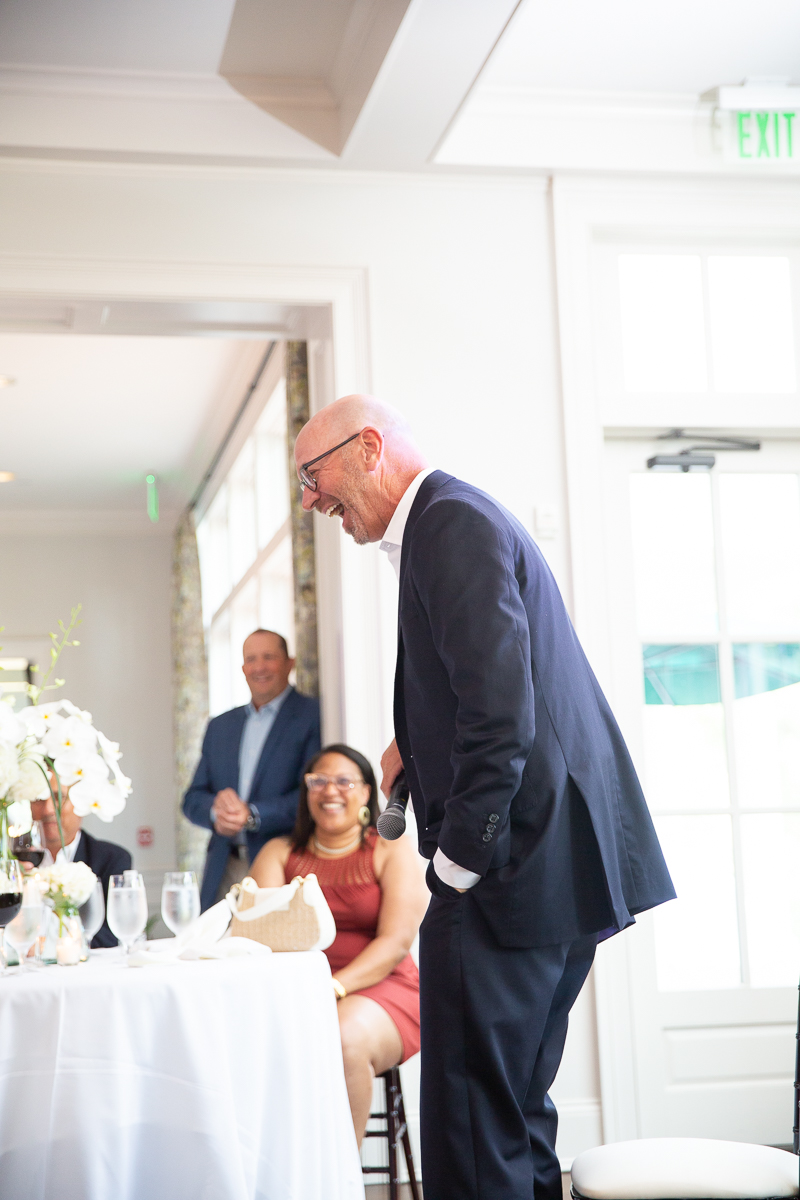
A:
(765, 135)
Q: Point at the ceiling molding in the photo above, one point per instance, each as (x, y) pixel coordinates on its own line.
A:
(140, 112)
(323, 106)
(517, 126)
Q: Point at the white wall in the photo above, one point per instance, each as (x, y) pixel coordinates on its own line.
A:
(121, 672)
(460, 332)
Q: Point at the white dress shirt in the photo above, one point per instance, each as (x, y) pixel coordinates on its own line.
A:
(67, 855)
(392, 544)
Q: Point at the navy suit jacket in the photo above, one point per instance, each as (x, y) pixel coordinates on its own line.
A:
(105, 859)
(516, 766)
(293, 738)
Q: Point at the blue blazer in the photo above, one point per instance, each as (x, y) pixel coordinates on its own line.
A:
(516, 766)
(293, 739)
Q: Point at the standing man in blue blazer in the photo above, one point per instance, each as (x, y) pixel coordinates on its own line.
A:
(526, 800)
(247, 782)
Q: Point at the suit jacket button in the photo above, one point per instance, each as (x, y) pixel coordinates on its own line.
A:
(493, 817)
(487, 837)
(491, 828)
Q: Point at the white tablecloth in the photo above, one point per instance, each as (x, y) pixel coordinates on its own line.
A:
(210, 1080)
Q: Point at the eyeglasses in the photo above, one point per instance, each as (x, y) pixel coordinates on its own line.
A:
(308, 480)
(342, 783)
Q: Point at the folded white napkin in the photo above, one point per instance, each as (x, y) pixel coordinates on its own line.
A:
(205, 938)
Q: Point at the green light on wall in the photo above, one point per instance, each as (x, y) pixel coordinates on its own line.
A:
(152, 497)
(765, 134)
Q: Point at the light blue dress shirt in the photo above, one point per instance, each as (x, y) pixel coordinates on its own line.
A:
(258, 723)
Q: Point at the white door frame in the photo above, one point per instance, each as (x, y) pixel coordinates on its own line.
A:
(349, 621)
(588, 210)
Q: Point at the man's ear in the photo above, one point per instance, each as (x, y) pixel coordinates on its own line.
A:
(372, 442)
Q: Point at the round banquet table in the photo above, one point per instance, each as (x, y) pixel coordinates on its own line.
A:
(209, 1080)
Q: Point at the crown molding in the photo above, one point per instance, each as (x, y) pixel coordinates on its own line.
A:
(557, 130)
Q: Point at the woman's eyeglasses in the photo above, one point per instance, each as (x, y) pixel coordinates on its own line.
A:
(342, 783)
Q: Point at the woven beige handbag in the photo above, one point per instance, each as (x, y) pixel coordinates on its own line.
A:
(293, 917)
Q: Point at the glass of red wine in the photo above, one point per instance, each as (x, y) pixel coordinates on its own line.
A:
(10, 894)
(29, 847)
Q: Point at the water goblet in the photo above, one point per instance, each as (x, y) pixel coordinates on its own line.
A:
(92, 914)
(180, 900)
(23, 931)
(127, 908)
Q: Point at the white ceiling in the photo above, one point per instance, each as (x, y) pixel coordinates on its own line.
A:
(368, 83)
(90, 416)
(121, 35)
(686, 46)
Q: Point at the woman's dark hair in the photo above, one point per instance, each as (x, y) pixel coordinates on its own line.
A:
(304, 825)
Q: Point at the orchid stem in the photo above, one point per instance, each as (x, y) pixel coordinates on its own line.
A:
(55, 798)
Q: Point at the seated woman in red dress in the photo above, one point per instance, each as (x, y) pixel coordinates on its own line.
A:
(378, 898)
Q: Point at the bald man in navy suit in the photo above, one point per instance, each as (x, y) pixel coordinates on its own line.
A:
(526, 800)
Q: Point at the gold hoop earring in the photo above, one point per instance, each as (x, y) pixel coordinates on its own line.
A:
(364, 815)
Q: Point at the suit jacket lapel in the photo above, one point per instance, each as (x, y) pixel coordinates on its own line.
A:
(435, 480)
(282, 720)
(232, 746)
(82, 853)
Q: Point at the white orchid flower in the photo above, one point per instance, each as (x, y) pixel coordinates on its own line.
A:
(38, 718)
(19, 818)
(9, 768)
(31, 784)
(77, 765)
(109, 750)
(68, 734)
(98, 796)
(12, 731)
(72, 710)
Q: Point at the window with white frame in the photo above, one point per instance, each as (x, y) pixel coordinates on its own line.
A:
(245, 546)
(697, 337)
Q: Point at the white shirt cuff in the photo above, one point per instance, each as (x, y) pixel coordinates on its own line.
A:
(450, 872)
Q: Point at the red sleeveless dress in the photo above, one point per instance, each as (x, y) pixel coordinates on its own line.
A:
(354, 896)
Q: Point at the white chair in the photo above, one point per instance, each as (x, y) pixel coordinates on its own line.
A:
(690, 1168)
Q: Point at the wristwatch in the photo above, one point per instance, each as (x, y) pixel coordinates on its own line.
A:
(253, 822)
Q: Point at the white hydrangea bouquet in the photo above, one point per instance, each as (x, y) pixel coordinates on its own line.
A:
(48, 747)
(67, 886)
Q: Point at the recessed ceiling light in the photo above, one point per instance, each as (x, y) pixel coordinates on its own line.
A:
(7, 381)
(6, 476)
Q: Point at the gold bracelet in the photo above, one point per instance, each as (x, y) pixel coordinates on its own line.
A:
(339, 988)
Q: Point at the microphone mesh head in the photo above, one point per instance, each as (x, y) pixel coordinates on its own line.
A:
(392, 824)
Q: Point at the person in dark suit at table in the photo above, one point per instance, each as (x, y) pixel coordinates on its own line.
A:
(104, 858)
(526, 799)
(246, 786)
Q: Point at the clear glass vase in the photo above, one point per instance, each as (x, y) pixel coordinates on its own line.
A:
(70, 944)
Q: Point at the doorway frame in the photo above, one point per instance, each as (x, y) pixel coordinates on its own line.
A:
(588, 210)
(349, 628)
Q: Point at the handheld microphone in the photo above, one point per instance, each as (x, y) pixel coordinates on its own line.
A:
(392, 821)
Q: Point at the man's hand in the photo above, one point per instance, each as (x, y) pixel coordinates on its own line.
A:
(391, 765)
(230, 814)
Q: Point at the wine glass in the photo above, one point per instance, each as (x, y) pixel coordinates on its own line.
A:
(180, 900)
(127, 908)
(93, 913)
(10, 894)
(22, 932)
(30, 847)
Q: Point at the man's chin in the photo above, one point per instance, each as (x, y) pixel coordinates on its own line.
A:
(355, 529)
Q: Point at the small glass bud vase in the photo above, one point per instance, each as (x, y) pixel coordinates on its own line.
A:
(69, 948)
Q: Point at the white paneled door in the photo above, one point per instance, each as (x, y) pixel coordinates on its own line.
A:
(704, 588)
